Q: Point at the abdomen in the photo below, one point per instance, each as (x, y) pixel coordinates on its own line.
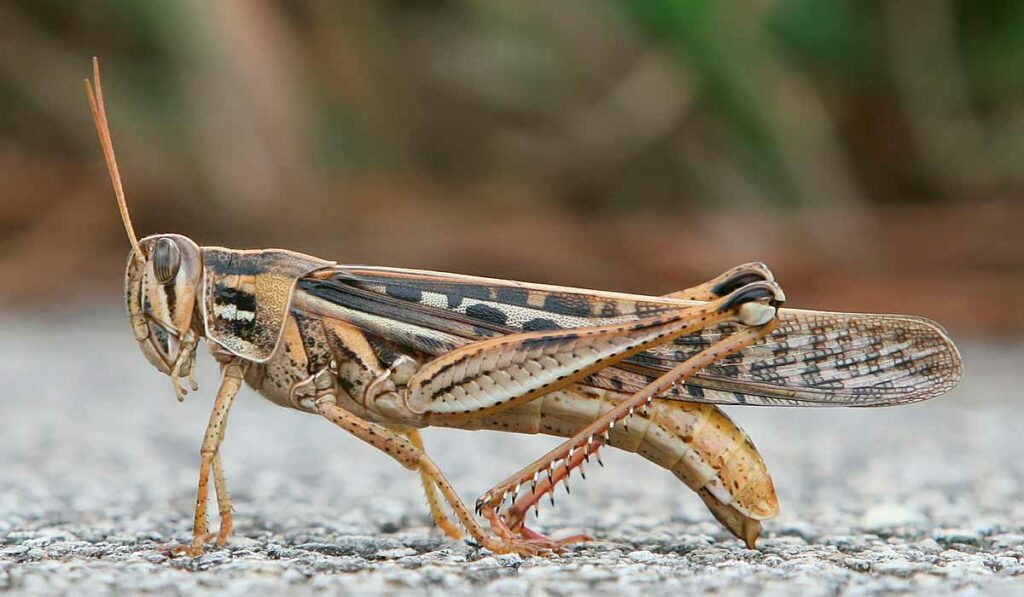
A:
(697, 442)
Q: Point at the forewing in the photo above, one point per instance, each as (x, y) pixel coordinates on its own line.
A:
(813, 358)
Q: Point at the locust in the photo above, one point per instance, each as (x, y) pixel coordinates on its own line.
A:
(383, 352)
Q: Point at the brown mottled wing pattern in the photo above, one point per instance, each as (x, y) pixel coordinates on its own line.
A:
(813, 358)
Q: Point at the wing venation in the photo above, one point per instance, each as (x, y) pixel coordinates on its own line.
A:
(813, 358)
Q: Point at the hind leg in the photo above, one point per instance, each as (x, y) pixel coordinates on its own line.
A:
(725, 282)
(545, 473)
(742, 305)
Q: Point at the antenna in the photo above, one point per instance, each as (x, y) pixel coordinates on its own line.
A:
(99, 116)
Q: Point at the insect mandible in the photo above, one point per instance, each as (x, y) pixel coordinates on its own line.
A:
(383, 352)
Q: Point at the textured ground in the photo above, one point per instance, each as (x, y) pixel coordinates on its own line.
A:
(98, 467)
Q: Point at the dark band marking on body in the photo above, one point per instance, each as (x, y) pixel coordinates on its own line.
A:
(243, 301)
(540, 324)
(567, 304)
(404, 292)
(487, 313)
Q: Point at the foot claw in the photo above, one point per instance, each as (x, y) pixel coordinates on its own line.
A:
(525, 547)
(555, 545)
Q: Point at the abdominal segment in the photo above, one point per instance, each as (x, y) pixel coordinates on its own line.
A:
(697, 442)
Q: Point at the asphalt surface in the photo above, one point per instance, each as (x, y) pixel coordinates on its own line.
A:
(98, 471)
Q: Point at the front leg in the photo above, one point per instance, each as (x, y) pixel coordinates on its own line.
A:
(227, 521)
(233, 372)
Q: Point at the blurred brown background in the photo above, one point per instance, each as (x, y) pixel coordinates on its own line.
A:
(872, 153)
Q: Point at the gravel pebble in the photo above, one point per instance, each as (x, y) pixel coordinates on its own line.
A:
(100, 468)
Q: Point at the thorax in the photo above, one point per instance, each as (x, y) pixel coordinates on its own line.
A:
(310, 345)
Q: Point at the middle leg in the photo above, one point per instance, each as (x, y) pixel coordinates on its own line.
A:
(430, 490)
(411, 457)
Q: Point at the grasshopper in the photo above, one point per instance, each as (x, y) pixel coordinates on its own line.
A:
(382, 352)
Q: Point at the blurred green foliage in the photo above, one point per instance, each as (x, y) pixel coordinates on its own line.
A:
(637, 141)
(657, 104)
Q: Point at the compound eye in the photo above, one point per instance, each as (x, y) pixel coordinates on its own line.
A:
(166, 260)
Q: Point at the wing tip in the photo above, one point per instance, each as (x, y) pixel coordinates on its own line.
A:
(952, 370)
(948, 363)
